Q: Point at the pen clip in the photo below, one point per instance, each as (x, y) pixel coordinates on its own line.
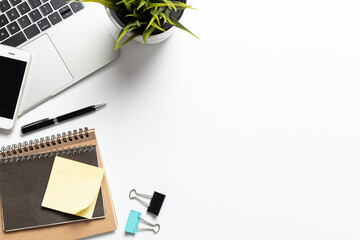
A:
(34, 123)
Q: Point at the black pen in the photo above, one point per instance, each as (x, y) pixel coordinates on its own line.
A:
(48, 122)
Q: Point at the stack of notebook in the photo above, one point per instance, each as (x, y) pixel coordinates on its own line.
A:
(24, 174)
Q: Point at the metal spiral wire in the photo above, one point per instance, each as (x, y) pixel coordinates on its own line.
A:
(48, 141)
(49, 154)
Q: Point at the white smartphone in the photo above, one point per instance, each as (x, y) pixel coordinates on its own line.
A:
(14, 65)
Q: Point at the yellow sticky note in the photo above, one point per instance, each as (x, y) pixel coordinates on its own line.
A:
(73, 187)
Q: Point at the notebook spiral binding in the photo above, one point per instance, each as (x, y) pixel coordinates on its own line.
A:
(13, 151)
(49, 154)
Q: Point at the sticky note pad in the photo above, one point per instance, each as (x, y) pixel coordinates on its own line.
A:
(73, 187)
(133, 222)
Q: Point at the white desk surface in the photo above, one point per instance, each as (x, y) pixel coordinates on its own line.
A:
(252, 132)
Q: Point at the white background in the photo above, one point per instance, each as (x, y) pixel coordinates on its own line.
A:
(252, 132)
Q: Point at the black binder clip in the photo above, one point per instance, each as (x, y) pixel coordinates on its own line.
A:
(155, 204)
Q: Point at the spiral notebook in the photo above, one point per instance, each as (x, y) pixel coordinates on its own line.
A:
(24, 173)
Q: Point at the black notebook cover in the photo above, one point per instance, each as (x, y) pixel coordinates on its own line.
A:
(23, 184)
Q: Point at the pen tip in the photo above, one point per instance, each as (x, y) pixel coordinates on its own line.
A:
(100, 106)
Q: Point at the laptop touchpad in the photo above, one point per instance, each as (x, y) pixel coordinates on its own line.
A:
(48, 72)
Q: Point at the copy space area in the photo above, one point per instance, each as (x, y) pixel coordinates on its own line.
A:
(252, 132)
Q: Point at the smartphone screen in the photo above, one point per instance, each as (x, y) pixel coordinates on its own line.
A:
(12, 74)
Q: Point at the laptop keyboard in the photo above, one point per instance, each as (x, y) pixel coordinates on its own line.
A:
(21, 20)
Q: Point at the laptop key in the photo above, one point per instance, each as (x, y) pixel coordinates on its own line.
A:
(46, 9)
(13, 28)
(65, 12)
(34, 3)
(12, 14)
(31, 31)
(54, 18)
(35, 15)
(15, 2)
(3, 34)
(56, 4)
(4, 6)
(3, 20)
(23, 8)
(76, 6)
(44, 24)
(24, 21)
(15, 40)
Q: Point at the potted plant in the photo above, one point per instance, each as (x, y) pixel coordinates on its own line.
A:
(146, 21)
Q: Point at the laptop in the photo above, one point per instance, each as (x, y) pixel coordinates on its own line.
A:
(67, 41)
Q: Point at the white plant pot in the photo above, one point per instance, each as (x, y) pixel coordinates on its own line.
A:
(152, 39)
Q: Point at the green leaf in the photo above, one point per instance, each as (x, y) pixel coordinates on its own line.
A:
(127, 5)
(127, 29)
(133, 28)
(170, 4)
(157, 26)
(151, 21)
(135, 15)
(147, 33)
(141, 4)
(183, 5)
(121, 35)
(179, 25)
(130, 24)
(152, 5)
(167, 15)
(163, 16)
(126, 41)
(155, 15)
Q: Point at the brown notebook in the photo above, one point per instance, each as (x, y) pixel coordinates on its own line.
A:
(50, 146)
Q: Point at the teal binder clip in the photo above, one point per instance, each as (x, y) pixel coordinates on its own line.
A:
(132, 225)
